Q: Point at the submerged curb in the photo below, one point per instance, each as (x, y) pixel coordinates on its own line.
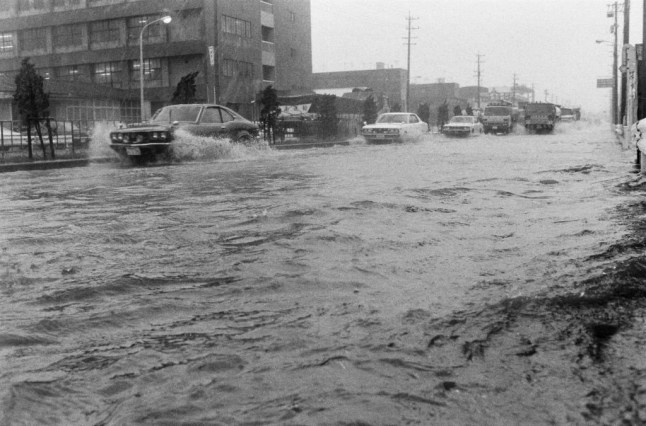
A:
(82, 162)
(309, 145)
(52, 164)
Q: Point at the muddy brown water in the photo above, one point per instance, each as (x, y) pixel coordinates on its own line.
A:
(490, 280)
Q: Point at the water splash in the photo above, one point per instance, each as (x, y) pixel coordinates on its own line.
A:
(189, 147)
(99, 144)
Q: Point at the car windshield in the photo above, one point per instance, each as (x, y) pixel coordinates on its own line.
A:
(393, 118)
(462, 119)
(169, 114)
(497, 111)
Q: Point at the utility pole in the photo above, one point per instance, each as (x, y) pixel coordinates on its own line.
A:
(410, 20)
(624, 84)
(479, 74)
(513, 90)
(614, 65)
(546, 92)
(641, 105)
(534, 92)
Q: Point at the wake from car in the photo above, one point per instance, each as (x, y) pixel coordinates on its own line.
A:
(188, 147)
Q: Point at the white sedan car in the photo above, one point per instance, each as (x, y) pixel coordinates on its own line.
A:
(394, 127)
(463, 125)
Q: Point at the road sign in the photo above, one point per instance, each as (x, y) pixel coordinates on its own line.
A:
(604, 82)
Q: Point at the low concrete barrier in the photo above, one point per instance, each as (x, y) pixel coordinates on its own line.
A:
(51, 164)
(81, 162)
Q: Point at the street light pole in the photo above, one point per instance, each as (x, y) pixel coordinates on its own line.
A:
(165, 19)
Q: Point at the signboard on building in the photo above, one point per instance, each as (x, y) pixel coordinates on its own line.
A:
(604, 82)
(212, 55)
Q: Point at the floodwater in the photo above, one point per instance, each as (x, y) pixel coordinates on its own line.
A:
(443, 281)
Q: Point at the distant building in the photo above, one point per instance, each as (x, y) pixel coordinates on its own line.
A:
(85, 47)
(510, 94)
(389, 81)
(421, 93)
(470, 94)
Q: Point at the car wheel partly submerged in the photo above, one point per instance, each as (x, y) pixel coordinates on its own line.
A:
(243, 137)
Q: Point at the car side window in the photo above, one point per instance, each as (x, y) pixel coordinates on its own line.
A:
(211, 115)
(226, 116)
(412, 119)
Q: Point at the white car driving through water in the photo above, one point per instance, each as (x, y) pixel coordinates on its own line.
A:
(394, 127)
(462, 125)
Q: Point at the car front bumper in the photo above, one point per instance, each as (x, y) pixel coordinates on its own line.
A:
(381, 137)
(136, 149)
(456, 132)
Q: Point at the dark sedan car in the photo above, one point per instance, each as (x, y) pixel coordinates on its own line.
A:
(146, 141)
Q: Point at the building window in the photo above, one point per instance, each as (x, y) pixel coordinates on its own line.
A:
(108, 73)
(92, 3)
(29, 5)
(104, 31)
(245, 69)
(66, 3)
(67, 35)
(268, 73)
(236, 26)
(33, 39)
(70, 73)
(292, 52)
(267, 34)
(153, 32)
(152, 70)
(6, 42)
(292, 16)
(229, 68)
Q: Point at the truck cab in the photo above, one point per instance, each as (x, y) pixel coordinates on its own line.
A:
(499, 118)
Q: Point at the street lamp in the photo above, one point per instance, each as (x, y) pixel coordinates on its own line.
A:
(166, 20)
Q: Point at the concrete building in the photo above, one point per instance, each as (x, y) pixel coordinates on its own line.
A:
(433, 93)
(391, 81)
(237, 46)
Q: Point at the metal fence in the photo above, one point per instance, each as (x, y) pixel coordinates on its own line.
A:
(290, 130)
(70, 137)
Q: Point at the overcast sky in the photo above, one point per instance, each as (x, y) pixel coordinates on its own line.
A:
(547, 43)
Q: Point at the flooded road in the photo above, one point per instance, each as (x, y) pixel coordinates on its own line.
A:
(447, 281)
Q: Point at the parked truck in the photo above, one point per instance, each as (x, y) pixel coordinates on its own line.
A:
(541, 117)
(499, 118)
